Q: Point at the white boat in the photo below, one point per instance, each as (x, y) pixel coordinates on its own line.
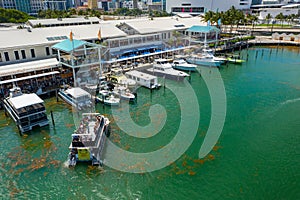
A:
(117, 77)
(162, 67)
(143, 79)
(27, 110)
(88, 140)
(107, 98)
(206, 58)
(181, 64)
(76, 97)
(222, 60)
(123, 93)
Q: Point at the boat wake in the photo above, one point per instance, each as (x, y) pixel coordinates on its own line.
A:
(290, 101)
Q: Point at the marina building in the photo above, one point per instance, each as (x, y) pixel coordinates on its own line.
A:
(63, 22)
(122, 38)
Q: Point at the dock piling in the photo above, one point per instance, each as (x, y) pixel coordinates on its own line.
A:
(52, 118)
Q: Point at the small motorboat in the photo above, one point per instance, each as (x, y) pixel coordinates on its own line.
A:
(107, 98)
(123, 93)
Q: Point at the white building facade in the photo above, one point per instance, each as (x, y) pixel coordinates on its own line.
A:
(195, 7)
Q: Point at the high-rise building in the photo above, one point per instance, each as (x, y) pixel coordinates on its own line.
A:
(23, 6)
(256, 2)
(32, 7)
(93, 4)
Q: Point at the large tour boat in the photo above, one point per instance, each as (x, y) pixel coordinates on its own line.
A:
(27, 110)
(89, 139)
(77, 97)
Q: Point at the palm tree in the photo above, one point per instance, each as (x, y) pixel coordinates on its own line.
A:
(252, 19)
(280, 17)
(268, 18)
(293, 17)
(208, 16)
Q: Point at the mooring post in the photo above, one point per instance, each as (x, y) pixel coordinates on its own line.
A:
(52, 118)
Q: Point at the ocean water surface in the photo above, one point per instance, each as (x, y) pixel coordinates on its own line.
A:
(256, 157)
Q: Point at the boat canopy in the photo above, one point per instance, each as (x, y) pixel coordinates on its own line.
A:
(25, 100)
(25, 67)
(77, 92)
(141, 75)
(28, 77)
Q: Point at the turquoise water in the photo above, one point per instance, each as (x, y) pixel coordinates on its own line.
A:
(257, 155)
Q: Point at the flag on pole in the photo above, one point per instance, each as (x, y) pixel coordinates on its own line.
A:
(208, 23)
(219, 22)
(99, 34)
(71, 36)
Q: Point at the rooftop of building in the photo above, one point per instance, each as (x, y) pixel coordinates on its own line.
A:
(52, 35)
(61, 21)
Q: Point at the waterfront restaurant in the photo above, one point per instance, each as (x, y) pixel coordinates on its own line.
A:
(40, 76)
(32, 46)
(83, 58)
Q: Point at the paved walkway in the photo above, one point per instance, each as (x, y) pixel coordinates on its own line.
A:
(269, 40)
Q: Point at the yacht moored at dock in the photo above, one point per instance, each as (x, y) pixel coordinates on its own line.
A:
(27, 110)
(161, 67)
(181, 64)
(204, 59)
(76, 97)
(89, 139)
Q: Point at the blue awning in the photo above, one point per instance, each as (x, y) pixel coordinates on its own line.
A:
(68, 45)
(149, 47)
(203, 29)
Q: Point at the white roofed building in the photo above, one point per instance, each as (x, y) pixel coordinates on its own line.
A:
(196, 7)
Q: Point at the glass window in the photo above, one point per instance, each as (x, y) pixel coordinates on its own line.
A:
(0, 58)
(32, 53)
(47, 51)
(6, 56)
(23, 54)
(17, 55)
